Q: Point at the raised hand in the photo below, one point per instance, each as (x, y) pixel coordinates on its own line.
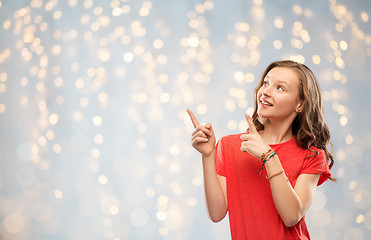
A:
(203, 137)
(252, 142)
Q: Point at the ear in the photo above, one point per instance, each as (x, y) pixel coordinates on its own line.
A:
(299, 107)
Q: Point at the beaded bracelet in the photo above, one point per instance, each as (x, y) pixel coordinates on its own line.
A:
(266, 157)
(275, 174)
(270, 156)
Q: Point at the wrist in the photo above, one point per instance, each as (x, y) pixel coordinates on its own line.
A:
(209, 154)
(268, 151)
(265, 157)
(209, 158)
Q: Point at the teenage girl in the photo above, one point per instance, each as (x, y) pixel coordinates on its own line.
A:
(266, 178)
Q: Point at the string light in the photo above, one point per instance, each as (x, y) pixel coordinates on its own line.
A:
(92, 99)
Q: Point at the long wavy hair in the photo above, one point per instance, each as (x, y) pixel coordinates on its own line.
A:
(309, 127)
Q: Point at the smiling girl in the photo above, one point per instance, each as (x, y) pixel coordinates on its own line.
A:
(266, 178)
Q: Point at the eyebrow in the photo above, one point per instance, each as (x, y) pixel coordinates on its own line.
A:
(279, 81)
(282, 82)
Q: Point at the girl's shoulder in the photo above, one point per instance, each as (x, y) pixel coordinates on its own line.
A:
(296, 148)
(313, 152)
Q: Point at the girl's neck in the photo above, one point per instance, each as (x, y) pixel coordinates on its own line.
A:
(275, 133)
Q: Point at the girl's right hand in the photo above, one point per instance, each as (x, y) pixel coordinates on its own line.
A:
(203, 137)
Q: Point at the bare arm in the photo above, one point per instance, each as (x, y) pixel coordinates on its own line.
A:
(203, 140)
(291, 203)
(215, 190)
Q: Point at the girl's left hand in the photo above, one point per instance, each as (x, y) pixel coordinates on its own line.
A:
(252, 142)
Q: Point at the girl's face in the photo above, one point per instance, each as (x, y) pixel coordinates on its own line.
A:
(278, 97)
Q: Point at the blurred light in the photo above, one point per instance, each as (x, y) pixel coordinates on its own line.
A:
(163, 231)
(98, 139)
(201, 109)
(241, 41)
(58, 194)
(97, 120)
(161, 160)
(349, 139)
(161, 215)
(95, 153)
(49, 135)
(116, 11)
(164, 97)
(103, 97)
(102, 179)
(343, 45)
(150, 192)
(316, 59)
(230, 105)
(7, 24)
(110, 205)
(78, 116)
(174, 150)
(197, 181)
(53, 118)
(143, 12)
(239, 76)
(192, 202)
(158, 43)
(125, 9)
(343, 120)
(277, 44)
(278, 22)
(142, 143)
(162, 59)
(232, 125)
(57, 148)
(297, 9)
(242, 26)
(364, 16)
(242, 125)
(14, 223)
(128, 57)
(57, 15)
(193, 41)
(259, 12)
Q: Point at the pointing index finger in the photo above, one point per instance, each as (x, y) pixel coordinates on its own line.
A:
(193, 118)
(251, 124)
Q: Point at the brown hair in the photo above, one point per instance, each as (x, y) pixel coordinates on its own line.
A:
(309, 126)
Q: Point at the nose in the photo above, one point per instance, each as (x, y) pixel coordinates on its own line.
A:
(266, 90)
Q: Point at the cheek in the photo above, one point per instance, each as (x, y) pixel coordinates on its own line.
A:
(287, 103)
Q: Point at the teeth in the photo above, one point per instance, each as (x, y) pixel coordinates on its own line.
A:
(265, 103)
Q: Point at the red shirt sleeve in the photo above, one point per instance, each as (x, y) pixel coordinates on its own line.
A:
(317, 164)
(219, 158)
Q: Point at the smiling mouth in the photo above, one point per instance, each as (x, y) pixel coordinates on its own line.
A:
(265, 103)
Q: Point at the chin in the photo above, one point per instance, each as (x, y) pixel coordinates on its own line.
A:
(262, 115)
(261, 119)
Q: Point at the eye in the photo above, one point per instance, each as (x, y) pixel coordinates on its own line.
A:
(280, 88)
(265, 83)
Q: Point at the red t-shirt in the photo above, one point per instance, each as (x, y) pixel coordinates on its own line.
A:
(252, 214)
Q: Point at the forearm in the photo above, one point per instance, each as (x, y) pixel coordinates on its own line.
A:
(203, 140)
(286, 200)
(215, 197)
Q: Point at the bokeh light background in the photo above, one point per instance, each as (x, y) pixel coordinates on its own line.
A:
(95, 140)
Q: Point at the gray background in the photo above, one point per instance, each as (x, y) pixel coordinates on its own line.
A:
(95, 140)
